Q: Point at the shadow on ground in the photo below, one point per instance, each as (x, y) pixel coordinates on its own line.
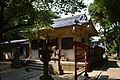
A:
(108, 69)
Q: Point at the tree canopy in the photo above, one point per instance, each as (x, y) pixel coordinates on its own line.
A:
(21, 14)
(106, 13)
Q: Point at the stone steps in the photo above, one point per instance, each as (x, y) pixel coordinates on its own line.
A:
(37, 65)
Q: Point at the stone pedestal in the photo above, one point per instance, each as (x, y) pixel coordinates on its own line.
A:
(44, 77)
(16, 63)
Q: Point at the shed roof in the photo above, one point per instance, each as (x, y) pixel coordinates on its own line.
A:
(62, 22)
(21, 41)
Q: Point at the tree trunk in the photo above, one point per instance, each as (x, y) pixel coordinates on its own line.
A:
(118, 46)
(1, 35)
(1, 19)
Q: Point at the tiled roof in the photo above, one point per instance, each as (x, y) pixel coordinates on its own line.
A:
(62, 22)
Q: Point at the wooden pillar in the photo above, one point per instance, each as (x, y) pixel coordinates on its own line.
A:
(85, 54)
(75, 65)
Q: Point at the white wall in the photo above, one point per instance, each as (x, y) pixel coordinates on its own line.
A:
(69, 53)
(35, 54)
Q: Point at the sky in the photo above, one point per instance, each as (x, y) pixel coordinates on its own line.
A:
(87, 2)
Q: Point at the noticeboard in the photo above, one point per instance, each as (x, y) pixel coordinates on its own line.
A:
(79, 54)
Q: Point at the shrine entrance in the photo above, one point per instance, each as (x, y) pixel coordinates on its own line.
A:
(80, 55)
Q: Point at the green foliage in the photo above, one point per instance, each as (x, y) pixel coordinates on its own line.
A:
(62, 6)
(25, 14)
(106, 13)
(113, 10)
(12, 35)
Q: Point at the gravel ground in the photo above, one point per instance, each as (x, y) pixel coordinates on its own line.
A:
(111, 71)
(6, 72)
(63, 77)
(5, 67)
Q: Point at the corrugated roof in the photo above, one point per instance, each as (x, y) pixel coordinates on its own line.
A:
(62, 22)
(23, 41)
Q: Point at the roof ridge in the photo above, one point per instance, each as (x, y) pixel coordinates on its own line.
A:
(70, 17)
(81, 18)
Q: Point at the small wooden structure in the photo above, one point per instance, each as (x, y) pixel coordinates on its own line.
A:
(8, 49)
(64, 32)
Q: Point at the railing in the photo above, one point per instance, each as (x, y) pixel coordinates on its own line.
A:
(27, 59)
